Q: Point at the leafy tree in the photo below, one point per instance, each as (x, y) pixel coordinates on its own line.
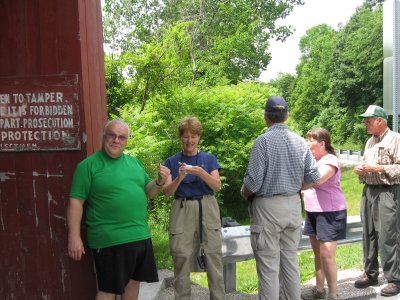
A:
(233, 35)
(118, 90)
(170, 44)
(339, 75)
(357, 79)
(314, 71)
(284, 83)
(127, 24)
(358, 60)
(156, 68)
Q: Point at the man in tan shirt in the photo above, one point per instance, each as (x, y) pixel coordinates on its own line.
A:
(380, 213)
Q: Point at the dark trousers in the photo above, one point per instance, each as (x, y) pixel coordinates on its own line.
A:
(380, 216)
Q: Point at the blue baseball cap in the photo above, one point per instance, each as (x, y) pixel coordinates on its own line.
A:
(276, 103)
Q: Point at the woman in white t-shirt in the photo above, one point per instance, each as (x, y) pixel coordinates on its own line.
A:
(326, 215)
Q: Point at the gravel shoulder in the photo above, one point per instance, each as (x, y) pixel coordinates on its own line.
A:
(346, 289)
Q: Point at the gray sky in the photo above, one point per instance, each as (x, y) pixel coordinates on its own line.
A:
(285, 56)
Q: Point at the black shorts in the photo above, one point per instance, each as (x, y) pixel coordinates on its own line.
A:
(116, 265)
(326, 226)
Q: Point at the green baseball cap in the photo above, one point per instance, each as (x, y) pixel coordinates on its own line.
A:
(375, 111)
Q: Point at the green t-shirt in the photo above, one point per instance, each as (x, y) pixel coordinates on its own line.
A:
(114, 190)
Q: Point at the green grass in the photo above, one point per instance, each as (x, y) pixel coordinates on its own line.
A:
(352, 190)
(348, 256)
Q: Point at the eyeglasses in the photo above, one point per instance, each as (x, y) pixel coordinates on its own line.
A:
(112, 137)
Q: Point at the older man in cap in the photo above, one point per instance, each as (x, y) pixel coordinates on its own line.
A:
(280, 161)
(380, 214)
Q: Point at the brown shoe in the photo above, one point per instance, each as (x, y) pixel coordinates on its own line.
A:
(390, 289)
(365, 281)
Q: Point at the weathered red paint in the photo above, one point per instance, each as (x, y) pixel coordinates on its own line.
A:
(48, 39)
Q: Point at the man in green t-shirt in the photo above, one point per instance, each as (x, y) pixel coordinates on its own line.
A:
(115, 188)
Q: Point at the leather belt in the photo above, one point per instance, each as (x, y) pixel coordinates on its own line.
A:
(285, 194)
(190, 198)
(382, 186)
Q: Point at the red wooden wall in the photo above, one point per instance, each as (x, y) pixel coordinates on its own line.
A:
(48, 38)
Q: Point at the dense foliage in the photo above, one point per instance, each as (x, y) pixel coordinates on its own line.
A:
(160, 46)
(232, 117)
(168, 59)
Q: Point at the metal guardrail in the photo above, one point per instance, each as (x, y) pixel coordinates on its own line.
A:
(236, 247)
(350, 155)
